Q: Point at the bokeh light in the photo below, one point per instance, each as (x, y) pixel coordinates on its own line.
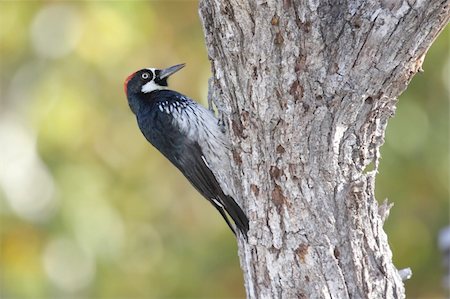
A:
(24, 178)
(89, 210)
(67, 266)
(55, 31)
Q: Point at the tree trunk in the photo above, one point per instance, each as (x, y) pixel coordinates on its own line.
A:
(306, 89)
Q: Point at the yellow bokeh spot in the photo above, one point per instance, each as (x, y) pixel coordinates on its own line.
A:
(106, 32)
(64, 112)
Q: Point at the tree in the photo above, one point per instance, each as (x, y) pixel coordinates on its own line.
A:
(306, 89)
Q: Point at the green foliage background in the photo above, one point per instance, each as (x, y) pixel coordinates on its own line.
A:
(89, 210)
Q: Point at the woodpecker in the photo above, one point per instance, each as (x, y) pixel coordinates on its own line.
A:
(187, 134)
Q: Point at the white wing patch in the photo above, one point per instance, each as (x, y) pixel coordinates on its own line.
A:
(217, 202)
(195, 120)
(206, 163)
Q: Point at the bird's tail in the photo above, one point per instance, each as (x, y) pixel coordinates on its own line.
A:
(238, 216)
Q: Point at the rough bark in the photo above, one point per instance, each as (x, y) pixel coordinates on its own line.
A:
(306, 89)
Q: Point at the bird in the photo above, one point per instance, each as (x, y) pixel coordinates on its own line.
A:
(188, 135)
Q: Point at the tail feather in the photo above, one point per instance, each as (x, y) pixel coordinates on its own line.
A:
(238, 216)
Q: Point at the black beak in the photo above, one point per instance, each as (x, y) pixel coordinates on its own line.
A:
(170, 70)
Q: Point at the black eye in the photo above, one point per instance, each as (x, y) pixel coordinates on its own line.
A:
(145, 76)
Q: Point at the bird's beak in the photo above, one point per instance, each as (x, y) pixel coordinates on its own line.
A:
(170, 70)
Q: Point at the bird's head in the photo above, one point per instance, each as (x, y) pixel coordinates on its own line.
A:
(150, 79)
(145, 81)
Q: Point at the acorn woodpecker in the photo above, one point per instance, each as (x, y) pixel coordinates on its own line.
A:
(187, 134)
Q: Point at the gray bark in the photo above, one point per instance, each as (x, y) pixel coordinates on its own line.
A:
(305, 89)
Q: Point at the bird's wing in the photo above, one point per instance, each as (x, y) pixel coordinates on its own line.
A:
(183, 150)
(192, 163)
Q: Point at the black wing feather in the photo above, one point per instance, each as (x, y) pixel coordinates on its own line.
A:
(203, 179)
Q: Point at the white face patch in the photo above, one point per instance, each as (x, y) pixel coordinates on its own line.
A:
(151, 86)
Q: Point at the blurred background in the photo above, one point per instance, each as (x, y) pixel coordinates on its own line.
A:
(89, 210)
